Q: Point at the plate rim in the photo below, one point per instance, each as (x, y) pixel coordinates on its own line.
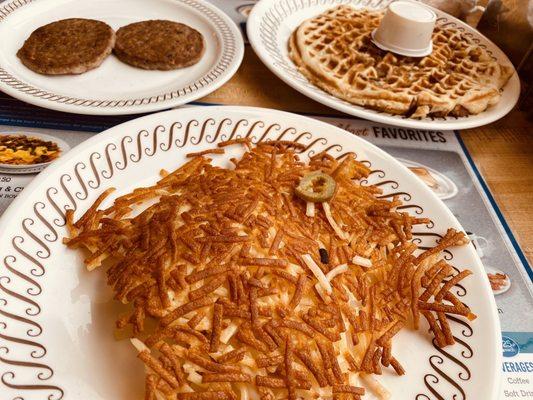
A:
(319, 95)
(224, 67)
(15, 207)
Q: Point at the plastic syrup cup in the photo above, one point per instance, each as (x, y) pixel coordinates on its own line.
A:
(406, 29)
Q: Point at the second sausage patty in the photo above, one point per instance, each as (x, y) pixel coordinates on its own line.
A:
(159, 44)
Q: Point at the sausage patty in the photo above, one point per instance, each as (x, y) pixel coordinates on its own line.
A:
(68, 46)
(158, 44)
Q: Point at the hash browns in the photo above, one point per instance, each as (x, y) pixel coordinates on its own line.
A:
(232, 274)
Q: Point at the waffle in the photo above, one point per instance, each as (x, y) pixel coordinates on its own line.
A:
(334, 51)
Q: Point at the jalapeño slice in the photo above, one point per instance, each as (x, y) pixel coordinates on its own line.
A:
(316, 187)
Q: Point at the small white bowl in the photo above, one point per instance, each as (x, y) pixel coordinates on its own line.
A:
(406, 29)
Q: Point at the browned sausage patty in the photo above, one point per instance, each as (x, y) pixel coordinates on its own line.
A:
(69, 46)
(158, 44)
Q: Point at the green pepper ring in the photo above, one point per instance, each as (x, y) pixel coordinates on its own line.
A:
(316, 187)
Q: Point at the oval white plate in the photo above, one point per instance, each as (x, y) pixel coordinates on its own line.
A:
(56, 319)
(271, 23)
(33, 168)
(117, 88)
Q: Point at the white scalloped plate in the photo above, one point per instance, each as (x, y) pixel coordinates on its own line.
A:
(271, 23)
(116, 88)
(56, 319)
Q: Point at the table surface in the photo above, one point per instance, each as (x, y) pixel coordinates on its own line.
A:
(503, 150)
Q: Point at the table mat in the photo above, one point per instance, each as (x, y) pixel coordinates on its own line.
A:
(441, 153)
